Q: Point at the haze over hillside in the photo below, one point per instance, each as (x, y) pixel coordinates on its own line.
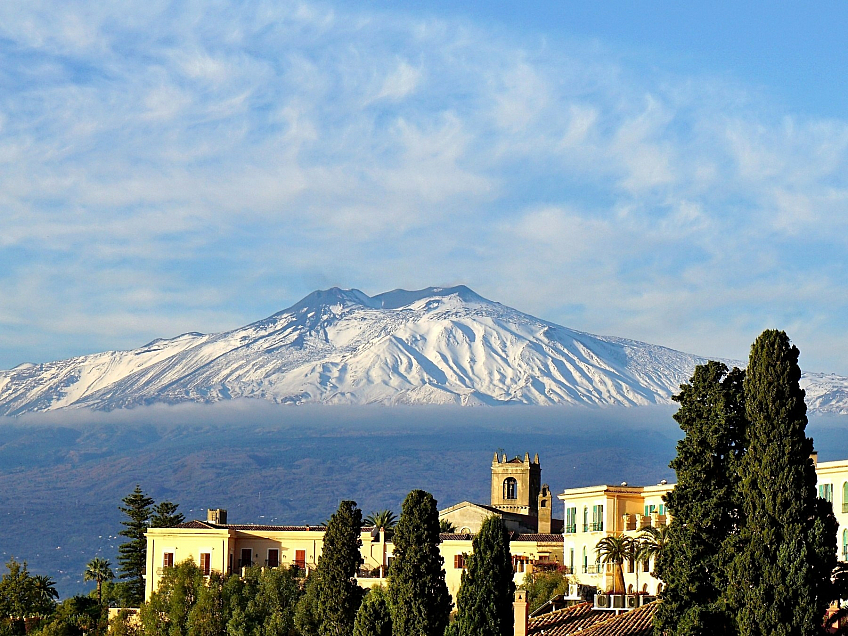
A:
(432, 346)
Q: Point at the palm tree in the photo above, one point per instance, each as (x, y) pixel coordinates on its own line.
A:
(98, 570)
(615, 549)
(45, 593)
(446, 526)
(384, 519)
(654, 540)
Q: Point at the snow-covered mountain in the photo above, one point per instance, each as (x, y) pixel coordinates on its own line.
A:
(433, 346)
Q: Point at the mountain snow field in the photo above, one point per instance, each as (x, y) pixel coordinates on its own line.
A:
(433, 346)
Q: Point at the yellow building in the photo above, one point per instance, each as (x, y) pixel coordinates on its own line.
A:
(519, 499)
(833, 486)
(594, 512)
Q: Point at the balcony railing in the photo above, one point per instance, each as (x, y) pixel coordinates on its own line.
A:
(596, 526)
(570, 529)
(593, 568)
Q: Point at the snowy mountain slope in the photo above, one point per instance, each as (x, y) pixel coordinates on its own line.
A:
(432, 346)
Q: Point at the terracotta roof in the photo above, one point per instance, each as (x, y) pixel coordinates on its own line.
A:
(455, 536)
(638, 622)
(553, 538)
(195, 525)
(566, 621)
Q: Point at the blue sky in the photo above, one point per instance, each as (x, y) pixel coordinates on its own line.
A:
(667, 172)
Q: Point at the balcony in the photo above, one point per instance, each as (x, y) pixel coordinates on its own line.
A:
(570, 529)
(596, 526)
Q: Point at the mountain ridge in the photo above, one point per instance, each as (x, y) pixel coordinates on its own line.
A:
(437, 345)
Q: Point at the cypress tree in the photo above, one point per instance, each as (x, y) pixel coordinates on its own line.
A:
(132, 555)
(418, 594)
(339, 595)
(780, 579)
(374, 616)
(484, 600)
(704, 505)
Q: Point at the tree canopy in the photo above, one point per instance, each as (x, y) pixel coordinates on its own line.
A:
(339, 594)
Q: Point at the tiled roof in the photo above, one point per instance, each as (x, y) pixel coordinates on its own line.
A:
(455, 536)
(195, 525)
(638, 622)
(566, 621)
(552, 538)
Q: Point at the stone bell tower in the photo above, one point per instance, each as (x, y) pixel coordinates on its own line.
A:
(516, 484)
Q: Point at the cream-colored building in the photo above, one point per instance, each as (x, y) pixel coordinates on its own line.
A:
(833, 486)
(519, 499)
(594, 512)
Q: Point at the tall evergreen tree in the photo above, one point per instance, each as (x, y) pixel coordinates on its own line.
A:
(165, 515)
(339, 595)
(132, 555)
(704, 505)
(417, 591)
(484, 600)
(780, 578)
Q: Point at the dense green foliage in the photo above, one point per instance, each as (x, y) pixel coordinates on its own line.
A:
(417, 591)
(374, 617)
(132, 554)
(750, 548)
(705, 505)
(615, 549)
(780, 578)
(165, 515)
(339, 595)
(24, 596)
(484, 600)
(260, 603)
(306, 612)
(543, 586)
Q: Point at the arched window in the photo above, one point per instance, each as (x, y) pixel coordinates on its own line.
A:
(630, 589)
(659, 589)
(845, 496)
(585, 518)
(510, 488)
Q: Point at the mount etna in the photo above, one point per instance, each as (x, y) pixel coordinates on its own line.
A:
(432, 346)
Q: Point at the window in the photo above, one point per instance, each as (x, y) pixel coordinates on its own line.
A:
(168, 560)
(585, 519)
(246, 557)
(662, 509)
(597, 518)
(273, 558)
(543, 503)
(571, 562)
(650, 509)
(459, 561)
(205, 563)
(631, 566)
(845, 545)
(585, 561)
(300, 559)
(845, 497)
(519, 563)
(570, 520)
(646, 565)
(510, 488)
(826, 492)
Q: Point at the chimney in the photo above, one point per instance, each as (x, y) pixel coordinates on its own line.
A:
(543, 524)
(519, 608)
(217, 516)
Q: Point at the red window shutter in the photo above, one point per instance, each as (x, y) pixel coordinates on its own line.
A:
(205, 563)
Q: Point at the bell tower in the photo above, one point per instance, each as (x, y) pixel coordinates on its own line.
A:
(516, 484)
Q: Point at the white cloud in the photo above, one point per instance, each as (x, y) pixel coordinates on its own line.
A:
(223, 159)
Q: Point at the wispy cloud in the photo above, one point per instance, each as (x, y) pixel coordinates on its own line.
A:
(198, 166)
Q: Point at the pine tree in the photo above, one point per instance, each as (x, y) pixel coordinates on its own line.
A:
(780, 579)
(132, 555)
(374, 617)
(484, 600)
(339, 595)
(704, 505)
(165, 515)
(417, 592)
